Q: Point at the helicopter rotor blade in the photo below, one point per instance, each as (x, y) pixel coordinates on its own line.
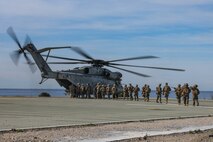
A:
(27, 40)
(134, 58)
(15, 56)
(136, 73)
(33, 67)
(150, 67)
(12, 34)
(66, 62)
(30, 63)
(64, 58)
(81, 52)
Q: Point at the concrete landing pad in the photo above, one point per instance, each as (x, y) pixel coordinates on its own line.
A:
(16, 113)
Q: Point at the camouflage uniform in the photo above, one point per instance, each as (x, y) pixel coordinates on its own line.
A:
(130, 90)
(144, 92)
(78, 88)
(147, 92)
(178, 92)
(103, 91)
(114, 91)
(195, 93)
(158, 92)
(88, 91)
(185, 93)
(98, 90)
(108, 91)
(125, 92)
(82, 90)
(166, 91)
(136, 90)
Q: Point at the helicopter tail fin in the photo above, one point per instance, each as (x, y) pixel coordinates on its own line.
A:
(39, 60)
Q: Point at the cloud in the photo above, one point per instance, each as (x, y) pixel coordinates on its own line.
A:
(103, 15)
(180, 32)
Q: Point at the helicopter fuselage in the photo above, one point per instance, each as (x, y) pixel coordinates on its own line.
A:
(85, 75)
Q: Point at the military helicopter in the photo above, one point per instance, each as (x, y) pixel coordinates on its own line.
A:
(92, 74)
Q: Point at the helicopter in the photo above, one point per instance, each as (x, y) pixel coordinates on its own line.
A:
(92, 74)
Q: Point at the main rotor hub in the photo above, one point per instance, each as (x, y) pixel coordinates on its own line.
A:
(99, 63)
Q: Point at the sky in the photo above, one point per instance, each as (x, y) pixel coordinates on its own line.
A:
(179, 32)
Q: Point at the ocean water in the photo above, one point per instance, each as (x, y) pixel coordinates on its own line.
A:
(61, 93)
(31, 92)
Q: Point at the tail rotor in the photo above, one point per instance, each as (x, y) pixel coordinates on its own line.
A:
(15, 55)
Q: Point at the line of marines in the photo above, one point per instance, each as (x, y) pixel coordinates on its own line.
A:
(130, 92)
(180, 92)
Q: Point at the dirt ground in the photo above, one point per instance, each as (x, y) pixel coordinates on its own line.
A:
(112, 132)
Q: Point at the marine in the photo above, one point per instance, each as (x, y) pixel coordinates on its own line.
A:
(185, 93)
(130, 90)
(158, 93)
(78, 88)
(98, 90)
(82, 90)
(147, 92)
(178, 92)
(114, 91)
(88, 90)
(166, 91)
(136, 90)
(125, 92)
(103, 91)
(108, 90)
(144, 92)
(195, 93)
